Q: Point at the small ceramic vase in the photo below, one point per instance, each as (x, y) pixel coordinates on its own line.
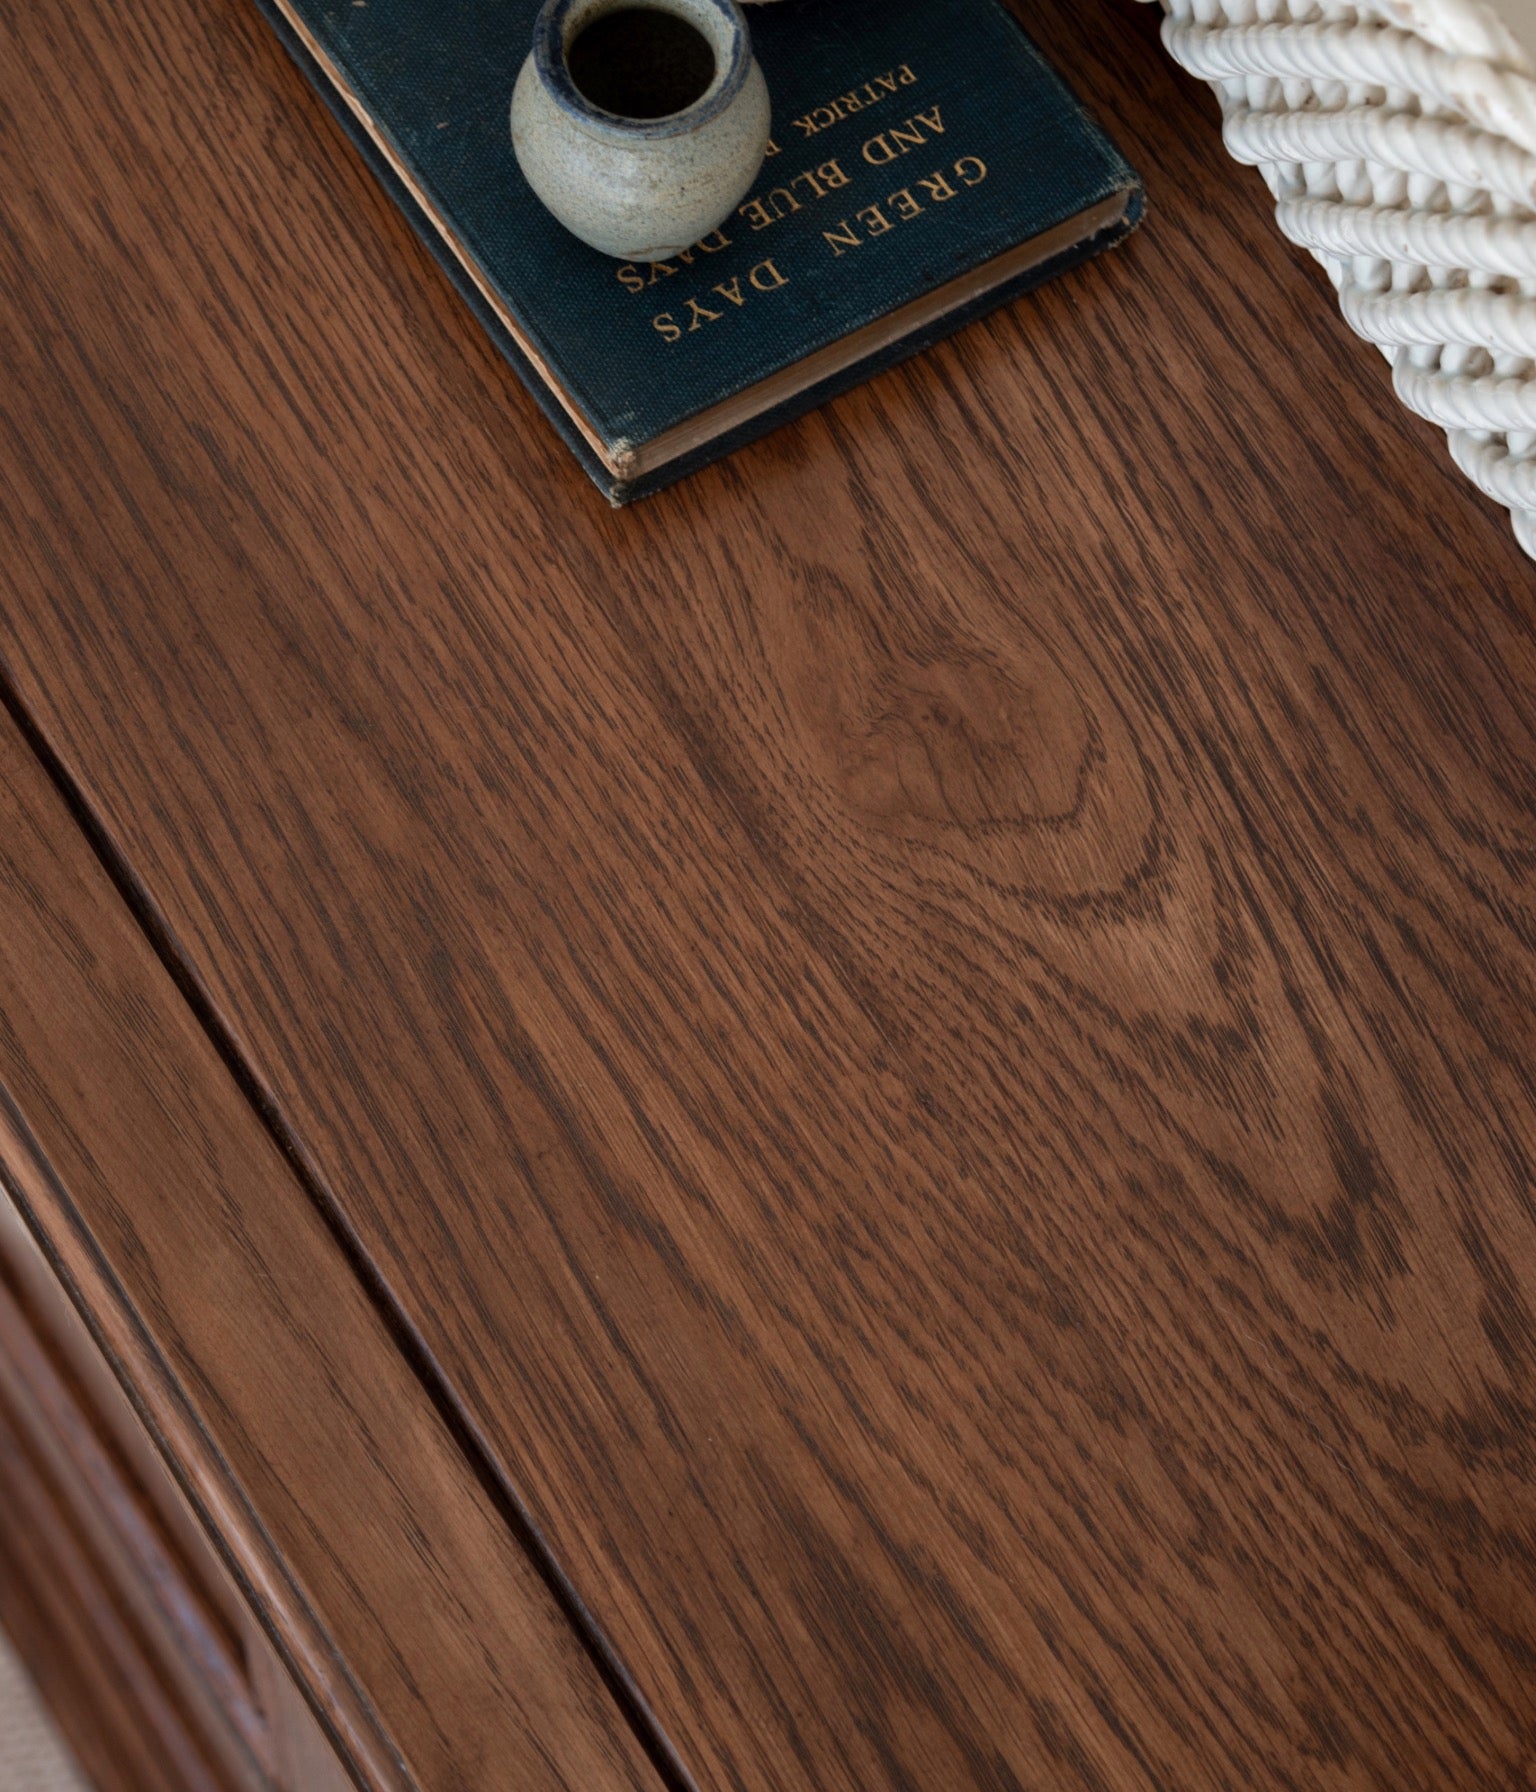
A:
(641, 124)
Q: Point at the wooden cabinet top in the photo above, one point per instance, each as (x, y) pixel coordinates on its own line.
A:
(869, 1126)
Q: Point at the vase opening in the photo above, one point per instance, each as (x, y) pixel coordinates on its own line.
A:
(641, 62)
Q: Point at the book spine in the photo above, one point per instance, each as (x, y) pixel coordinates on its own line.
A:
(858, 371)
(432, 239)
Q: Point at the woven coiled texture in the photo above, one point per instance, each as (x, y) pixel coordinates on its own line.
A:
(1399, 140)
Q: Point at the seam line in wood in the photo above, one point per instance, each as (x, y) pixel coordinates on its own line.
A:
(473, 1444)
(27, 1151)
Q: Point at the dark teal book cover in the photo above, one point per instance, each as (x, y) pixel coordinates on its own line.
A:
(927, 164)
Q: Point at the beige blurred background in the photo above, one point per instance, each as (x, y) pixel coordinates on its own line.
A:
(32, 1758)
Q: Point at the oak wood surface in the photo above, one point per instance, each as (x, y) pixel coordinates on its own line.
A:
(370, 1555)
(935, 1027)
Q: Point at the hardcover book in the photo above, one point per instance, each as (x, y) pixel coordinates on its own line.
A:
(926, 165)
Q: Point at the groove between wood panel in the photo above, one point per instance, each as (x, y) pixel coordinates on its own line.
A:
(350, 1722)
(414, 1350)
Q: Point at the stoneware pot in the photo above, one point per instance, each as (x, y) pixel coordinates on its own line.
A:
(641, 124)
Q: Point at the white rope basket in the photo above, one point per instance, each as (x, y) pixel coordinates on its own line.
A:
(1399, 140)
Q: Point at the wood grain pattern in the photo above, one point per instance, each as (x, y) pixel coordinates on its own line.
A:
(935, 1027)
(370, 1556)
